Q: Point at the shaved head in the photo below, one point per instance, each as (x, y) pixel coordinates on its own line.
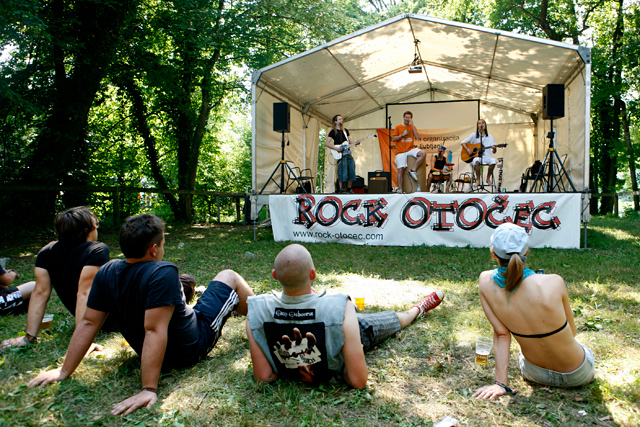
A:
(293, 268)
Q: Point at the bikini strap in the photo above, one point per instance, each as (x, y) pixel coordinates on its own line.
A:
(542, 335)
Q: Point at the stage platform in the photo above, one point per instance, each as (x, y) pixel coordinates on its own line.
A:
(449, 219)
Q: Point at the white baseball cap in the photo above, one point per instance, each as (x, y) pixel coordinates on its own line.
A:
(510, 239)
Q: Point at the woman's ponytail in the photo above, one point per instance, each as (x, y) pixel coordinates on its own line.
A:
(515, 269)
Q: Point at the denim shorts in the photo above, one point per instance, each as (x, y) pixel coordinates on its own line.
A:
(581, 376)
(377, 327)
(347, 169)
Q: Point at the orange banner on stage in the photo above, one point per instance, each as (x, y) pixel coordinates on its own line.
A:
(387, 152)
(429, 141)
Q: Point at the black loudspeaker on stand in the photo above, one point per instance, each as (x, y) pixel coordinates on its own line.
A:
(282, 124)
(281, 117)
(550, 176)
(553, 101)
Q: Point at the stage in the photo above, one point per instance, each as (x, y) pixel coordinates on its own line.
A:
(448, 219)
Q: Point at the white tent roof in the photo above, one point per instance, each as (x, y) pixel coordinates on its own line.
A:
(359, 74)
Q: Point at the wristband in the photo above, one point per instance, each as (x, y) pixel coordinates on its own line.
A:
(152, 390)
(507, 389)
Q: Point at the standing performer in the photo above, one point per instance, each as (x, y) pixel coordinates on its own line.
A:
(337, 140)
(537, 306)
(487, 145)
(438, 164)
(405, 134)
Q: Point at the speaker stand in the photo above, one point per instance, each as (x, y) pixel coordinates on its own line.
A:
(551, 173)
(282, 164)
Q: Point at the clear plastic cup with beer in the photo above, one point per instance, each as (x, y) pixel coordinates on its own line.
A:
(483, 349)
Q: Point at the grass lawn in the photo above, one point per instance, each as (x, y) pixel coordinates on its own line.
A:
(423, 374)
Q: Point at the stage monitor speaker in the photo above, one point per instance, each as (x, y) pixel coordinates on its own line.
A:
(281, 117)
(553, 101)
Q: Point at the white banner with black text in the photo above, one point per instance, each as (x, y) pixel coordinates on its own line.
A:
(453, 219)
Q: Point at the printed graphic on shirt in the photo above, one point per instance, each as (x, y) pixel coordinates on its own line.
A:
(298, 350)
(294, 313)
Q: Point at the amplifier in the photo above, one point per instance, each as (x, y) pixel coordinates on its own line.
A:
(377, 175)
(358, 183)
(378, 185)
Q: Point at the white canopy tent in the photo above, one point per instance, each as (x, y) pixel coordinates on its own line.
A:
(361, 74)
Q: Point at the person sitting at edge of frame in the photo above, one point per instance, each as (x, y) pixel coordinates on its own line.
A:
(146, 297)
(514, 298)
(13, 299)
(67, 265)
(304, 336)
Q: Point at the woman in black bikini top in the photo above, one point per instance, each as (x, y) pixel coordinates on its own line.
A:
(537, 306)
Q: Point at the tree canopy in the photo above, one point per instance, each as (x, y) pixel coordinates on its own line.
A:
(147, 93)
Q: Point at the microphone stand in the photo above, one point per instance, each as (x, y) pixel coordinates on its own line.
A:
(390, 171)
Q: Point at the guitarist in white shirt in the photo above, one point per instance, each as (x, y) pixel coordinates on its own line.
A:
(488, 144)
(346, 165)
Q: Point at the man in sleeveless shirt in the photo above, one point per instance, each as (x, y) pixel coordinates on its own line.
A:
(304, 336)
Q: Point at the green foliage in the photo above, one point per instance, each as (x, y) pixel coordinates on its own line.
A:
(171, 108)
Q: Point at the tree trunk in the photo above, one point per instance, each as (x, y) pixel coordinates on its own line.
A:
(140, 113)
(632, 157)
(610, 149)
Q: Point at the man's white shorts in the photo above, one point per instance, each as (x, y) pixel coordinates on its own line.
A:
(401, 159)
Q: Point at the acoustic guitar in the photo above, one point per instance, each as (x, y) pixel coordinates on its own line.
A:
(476, 151)
(338, 154)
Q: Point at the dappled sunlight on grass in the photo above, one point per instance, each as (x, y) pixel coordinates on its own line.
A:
(197, 236)
(377, 292)
(618, 234)
(620, 374)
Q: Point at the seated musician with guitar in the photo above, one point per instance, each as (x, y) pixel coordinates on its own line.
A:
(478, 147)
(439, 166)
(339, 141)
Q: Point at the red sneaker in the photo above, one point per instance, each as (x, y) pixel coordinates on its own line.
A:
(430, 302)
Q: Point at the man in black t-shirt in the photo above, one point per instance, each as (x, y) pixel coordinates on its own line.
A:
(144, 296)
(67, 265)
